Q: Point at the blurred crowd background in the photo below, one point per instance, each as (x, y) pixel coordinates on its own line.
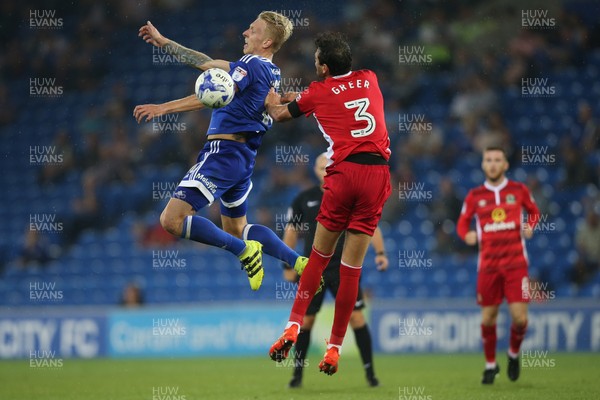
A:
(84, 184)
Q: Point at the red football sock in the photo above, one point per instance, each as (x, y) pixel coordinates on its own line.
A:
(344, 302)
(517, 334)
(309, 283)
(488, 335)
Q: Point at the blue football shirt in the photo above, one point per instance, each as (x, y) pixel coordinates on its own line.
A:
(254, 76)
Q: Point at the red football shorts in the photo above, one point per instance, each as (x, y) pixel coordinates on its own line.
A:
(494, 286)
(353, 197)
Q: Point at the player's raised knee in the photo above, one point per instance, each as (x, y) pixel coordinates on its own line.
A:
(171, 223)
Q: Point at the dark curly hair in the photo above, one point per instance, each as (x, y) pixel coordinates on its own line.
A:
(335, 52)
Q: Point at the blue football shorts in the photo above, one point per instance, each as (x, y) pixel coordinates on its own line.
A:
(222, 171)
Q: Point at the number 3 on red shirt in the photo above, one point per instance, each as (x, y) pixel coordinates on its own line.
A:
(361, 114)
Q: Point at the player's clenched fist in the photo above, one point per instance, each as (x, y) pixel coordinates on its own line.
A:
(288, 97)
(273, 98)
(471, 238)
(527, 231)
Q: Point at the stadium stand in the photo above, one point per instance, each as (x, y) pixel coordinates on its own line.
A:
(107, 201)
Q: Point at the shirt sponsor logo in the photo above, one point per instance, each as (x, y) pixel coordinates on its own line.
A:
(499, 226)
(498, 214)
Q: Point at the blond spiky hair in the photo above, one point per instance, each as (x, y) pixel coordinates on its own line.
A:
(279, 27)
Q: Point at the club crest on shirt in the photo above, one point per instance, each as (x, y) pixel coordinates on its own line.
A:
(510, 199)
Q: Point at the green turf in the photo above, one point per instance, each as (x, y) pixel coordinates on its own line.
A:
(417, 377)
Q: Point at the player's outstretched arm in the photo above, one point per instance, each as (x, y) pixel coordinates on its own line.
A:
(279, 112)
(149, 111)
(189, 57)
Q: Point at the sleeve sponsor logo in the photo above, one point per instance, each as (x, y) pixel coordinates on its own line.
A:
(239, 73)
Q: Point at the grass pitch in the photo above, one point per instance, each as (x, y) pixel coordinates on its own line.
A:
(402, 377)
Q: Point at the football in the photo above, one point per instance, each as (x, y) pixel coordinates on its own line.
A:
(214, 88)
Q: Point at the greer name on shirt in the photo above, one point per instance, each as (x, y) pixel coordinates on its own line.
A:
(357, 84)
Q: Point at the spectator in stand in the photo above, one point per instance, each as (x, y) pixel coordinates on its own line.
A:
(425, 139)
(7, 109)
(576, 170)
(493, 133)
(36, 249)
(54, 172)
(587, 240)
(475, 99)
(446, 204)
(541, 193)
(152, 235)
(587, 129)
(132, 296)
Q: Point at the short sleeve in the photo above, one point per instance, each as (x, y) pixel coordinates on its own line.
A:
(306, 100)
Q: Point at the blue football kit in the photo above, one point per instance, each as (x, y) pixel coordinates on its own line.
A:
(224, 167)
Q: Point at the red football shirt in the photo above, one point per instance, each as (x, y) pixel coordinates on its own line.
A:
(349, 111)
(498, 212)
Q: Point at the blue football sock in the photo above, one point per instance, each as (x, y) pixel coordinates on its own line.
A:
(272, 245)
(202, 230)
